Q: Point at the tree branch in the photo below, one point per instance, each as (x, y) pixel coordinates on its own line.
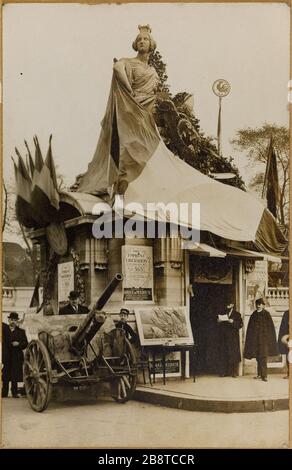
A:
(5, 206)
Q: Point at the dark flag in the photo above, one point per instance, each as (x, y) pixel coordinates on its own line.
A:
(24, 211)
(30, 160)
(45, 195)
(271, 189)
(35, 300)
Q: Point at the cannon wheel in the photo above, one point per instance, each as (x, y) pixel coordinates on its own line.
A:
(37, 375)
(126, 384)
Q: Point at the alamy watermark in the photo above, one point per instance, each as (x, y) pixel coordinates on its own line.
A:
(149, 220)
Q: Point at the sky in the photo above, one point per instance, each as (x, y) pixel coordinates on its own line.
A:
(57, 67)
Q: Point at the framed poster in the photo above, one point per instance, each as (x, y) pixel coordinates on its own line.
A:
(138, 273)
(164, 326)
(65, 281)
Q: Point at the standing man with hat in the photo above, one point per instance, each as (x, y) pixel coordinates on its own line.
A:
(14, 340)
(261, 339)
(123, 325)
(229, 325)
(73, 306)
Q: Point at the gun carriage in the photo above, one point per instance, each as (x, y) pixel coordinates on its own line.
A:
(85, 355)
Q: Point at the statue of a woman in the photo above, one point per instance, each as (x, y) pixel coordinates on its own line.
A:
(128, 132)
(139, 78)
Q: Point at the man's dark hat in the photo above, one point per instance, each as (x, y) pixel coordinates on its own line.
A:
(260, 302)
(125, 311)
(13, 316)
(74, 295)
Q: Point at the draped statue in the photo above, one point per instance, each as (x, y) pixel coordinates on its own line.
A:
(128, 131)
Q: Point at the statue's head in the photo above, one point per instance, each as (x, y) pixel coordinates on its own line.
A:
(144, 35)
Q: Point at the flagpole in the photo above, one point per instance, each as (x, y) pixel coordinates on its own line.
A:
(219, 127)
(221, 88)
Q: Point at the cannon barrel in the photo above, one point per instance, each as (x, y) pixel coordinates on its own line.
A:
(86, 327)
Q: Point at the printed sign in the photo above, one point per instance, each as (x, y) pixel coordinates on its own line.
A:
(138, 273)
(65, 280)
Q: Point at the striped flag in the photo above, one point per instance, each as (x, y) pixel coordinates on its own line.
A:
(30, 164)
(45, 196)
(24, 211)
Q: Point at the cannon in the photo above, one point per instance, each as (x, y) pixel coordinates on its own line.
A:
(81, 357)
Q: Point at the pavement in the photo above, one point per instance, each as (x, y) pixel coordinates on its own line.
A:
(219, 394)
(103, 423)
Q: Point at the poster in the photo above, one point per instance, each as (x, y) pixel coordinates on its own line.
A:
(138, 273)
(65, 281)
(256, 283)
(164, 326)
(172, 365)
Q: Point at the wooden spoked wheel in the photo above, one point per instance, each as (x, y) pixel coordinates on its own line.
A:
(37, 374)
(126, 384)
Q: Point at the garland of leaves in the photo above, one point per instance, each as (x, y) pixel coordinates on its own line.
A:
(80, 285)
(49, 278)
(49, 275)
(181, 131)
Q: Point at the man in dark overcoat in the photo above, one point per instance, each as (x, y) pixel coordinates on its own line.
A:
(229, 347)
(283, 338)
(261, 339)
(73, 306)
(14, 341)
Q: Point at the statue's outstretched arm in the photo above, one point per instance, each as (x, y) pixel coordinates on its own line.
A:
(121, 75)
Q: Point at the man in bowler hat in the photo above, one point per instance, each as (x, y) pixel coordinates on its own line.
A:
(229, 347)
(73, 306)
(14, 341)
(261, 339)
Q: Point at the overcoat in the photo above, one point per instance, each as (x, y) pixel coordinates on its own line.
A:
(260, 336)
(69, 310)
(229, 338)
(284, 330)
(12, 355)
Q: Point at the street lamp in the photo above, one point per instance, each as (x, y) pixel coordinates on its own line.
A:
(221, 88)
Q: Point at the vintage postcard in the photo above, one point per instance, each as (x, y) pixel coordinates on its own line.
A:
(145, 225)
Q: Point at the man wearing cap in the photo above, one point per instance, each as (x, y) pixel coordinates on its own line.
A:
(14, 340)
(229, 325)
(261, 339)
(123, 325)
(73, 306)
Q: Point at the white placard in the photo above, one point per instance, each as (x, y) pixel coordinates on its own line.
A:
(65, 280)
(138, 274)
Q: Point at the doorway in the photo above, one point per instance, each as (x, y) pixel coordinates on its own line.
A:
(207, 301)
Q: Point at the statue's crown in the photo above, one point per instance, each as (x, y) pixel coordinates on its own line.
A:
(144, 29)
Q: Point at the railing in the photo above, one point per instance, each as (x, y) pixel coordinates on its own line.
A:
(278, 293)
(17, 297)
(8, 294)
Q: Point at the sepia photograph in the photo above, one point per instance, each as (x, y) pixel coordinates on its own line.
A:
(145, 225)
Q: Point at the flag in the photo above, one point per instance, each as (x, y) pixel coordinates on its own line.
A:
(45, 196)
(271, 188)
(24, 211)
(30, 160)
(35, 300)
